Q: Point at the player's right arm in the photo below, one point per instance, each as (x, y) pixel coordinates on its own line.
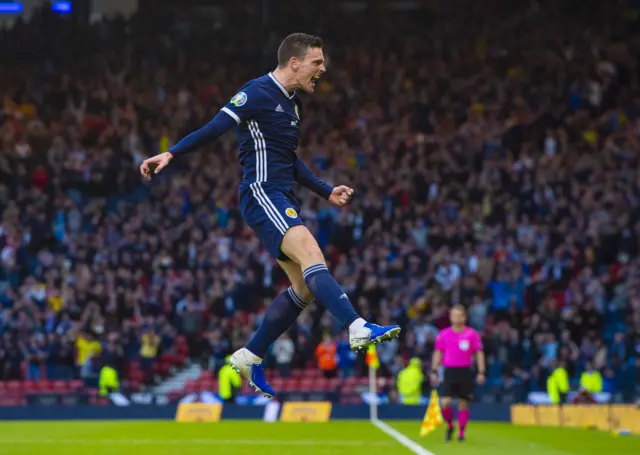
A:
(436, 359)
(241, 107)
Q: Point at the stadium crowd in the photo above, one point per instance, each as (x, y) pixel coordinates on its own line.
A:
(495, 164)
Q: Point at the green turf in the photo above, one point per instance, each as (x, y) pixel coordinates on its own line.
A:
(506, 439)
(335, 438)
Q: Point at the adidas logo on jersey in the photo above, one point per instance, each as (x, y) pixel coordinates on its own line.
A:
(279, 108)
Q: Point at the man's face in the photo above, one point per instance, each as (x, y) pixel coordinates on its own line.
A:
(457, 317)
(309, 69)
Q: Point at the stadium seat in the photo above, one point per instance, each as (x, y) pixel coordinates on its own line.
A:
(45, 386)
(314, 373)
(30, 386)
(174, 396)
(136, 375)
(277, 384)
(207, 385)
(290, 384)
(206, 374)
(168, 358)
(191, 387)
(60, 386)
(306, 384)
(14, 386)
(12, 401)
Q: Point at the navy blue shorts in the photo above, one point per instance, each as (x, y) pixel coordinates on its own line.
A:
(270, 213)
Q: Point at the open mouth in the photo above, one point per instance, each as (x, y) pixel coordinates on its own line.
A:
(314, 81)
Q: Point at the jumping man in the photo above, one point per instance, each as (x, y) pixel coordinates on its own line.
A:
(266, 113)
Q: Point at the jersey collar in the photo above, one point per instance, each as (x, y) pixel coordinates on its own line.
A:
(281, 87)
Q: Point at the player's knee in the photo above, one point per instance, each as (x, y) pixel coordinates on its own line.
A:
(301, 290)
(446, 402)
(463, 405)
(300, 245)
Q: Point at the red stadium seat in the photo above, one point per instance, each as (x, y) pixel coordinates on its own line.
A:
(328, 386)
(60, 386)
(14, 386)
(162, 368)
(30, 386)
(76, 384)
(307, 384)
(12, 401)
(168, 358)
(313, 373)
(138, 376)
(277, 384)
(290, 384)
(206, 375)
(46, 385)
(207, 385)
(181, 341)
(191, 387)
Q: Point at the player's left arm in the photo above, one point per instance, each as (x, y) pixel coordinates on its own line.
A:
(480, 360)
(339, 195)
(305, 177)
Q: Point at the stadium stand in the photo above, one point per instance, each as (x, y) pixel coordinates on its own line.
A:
(495, 167)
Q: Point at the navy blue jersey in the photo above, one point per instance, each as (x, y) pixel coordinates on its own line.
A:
(268, 124)
(268, 119)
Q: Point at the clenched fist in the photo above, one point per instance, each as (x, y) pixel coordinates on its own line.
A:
(341, 195)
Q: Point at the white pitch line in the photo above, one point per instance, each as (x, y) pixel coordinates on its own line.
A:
(400, 438)
(151, 442)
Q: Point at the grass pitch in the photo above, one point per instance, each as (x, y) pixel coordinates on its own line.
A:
(334, 438)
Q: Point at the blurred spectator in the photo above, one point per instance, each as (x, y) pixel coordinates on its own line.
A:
(228, 382)
(108, 381)
(346, 357)
(558, 383)
(326, 353)
(219, 347)
(35, 355)
(591, 380)
(149, 345)
(283, 350)
(87, 349)
(410, 382)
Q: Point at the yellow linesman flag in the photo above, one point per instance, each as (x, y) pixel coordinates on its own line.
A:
(433, 417)
(372, 357)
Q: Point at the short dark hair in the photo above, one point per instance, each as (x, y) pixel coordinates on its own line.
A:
(296, 45)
